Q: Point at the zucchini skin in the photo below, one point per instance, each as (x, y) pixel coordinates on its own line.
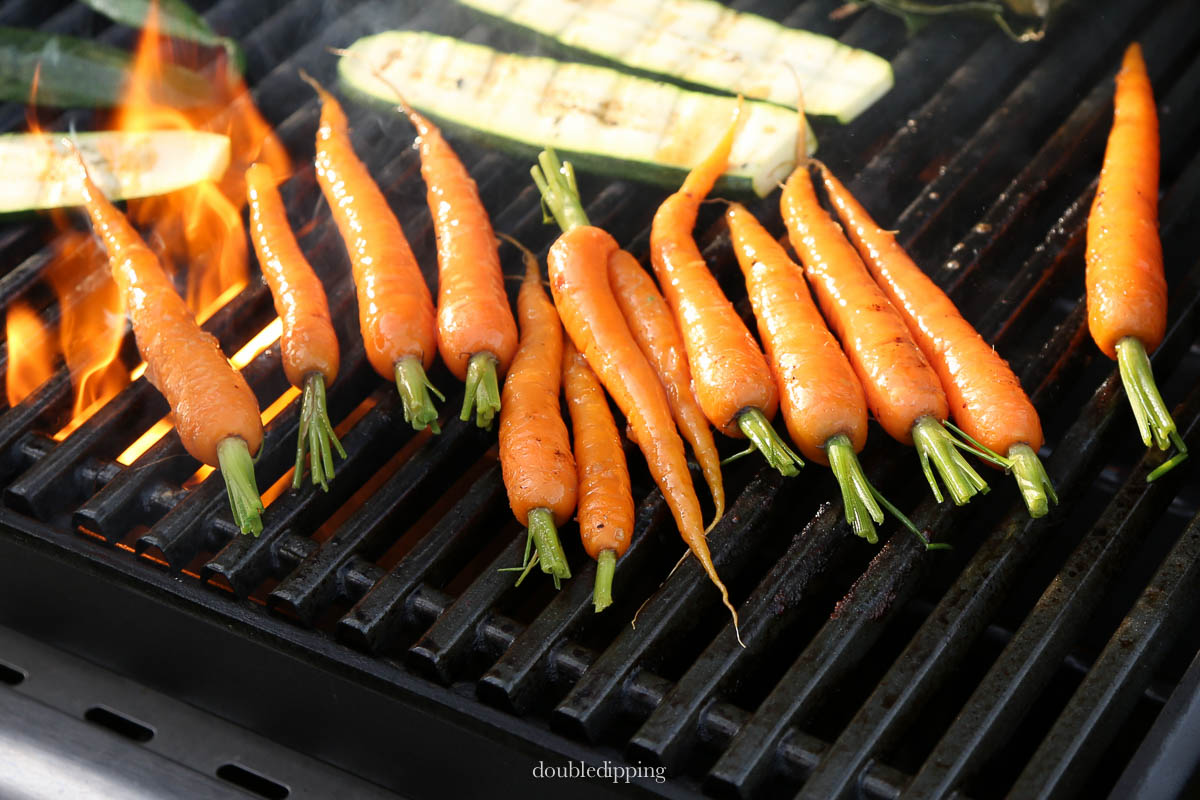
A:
(668, 175)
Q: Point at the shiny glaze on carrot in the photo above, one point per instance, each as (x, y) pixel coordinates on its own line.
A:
(730, 374)
(653, 327)
(820, 394)
(605, 510)
(535, 448)
(395, 308)
(986, 398)
(900, 385)
(1126, 288)
(210, 400)
(308, 342)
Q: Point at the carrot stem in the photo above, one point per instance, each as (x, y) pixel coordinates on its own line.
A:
(937, 450)
(549, 549)
(858, 496)
(237, 468)
(758, 430)
(316, 434)
(606, 565)
(908, 523)
(1153, 417)
(414, 388)
(483, 390)
(560, 193)
(1036, 489)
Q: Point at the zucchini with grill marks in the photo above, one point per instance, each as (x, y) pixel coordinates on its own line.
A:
(603, 120)
(705, 43)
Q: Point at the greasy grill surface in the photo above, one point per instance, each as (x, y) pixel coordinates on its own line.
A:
(1034, 658)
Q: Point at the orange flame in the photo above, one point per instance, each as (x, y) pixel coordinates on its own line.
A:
(31, 351)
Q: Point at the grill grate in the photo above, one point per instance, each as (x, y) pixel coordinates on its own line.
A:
(372, 620)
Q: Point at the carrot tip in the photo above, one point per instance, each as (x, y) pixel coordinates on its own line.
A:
(237, 468)
(316, 435)
(415, 388)
(606, 565)
(482, 393)
(938, 451)
(754, 424)
(1036, 489)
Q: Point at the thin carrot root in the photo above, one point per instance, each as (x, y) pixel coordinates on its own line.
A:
(560, 193)
(858, 496)
(414, 388)
(606, 565)
(937, 449)
(237, 468)
(1036, 489)
(767, 441)
(549, 550)
(483, 390)
(1154, 421)
(316, 435)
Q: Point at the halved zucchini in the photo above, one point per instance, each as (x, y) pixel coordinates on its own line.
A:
(603, 120)
(709, 44)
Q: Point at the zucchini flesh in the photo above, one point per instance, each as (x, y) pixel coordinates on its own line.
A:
(604, 120)
(705, 43)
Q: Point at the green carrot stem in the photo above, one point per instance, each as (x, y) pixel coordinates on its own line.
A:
(970, 444)
(560, 194)
(753, 423)
(908, 523)
(316, 435)
(1036, 489)
(237, 468)
(414, 388)
(606, 564)
(858, 496)
(937, 450)
(1153, 417)
(482, 390)
(549, 549)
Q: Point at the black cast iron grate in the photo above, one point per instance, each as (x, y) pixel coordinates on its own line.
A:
(370, 627)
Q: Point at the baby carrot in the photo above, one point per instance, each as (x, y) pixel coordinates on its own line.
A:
(605, 496)
(214, 410)
(822, 400)
(535, 448)
(308, 345)
(653, 327)
(732, 379)
(1126, 288)
(985, 397)
(578, 263)
(903, 391)
(395, 309)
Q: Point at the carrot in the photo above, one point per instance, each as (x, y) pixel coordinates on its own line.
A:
(578, 264)
(732, 379)
(903, 391)
(1126, 288)
(476, 332)
(535, 448)
(214, 410)
(822, 400)
(652, 324)
(605, 496)
(308, 345)
(985, 397)
(395, 309)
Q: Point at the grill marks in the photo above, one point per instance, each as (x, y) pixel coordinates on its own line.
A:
(669, 691)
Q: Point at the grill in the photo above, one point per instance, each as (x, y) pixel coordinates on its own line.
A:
(368, 633)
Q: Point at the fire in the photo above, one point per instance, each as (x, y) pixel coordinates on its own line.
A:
(31, 351)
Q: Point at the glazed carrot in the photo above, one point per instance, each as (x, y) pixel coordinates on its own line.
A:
(214, 410)
(732, 379)
(903, 391)
(1126, 288)
(308, 345)
(985, 397)
(535, 448)
(605, 497)
(395, 309)
(653, 327)
(578, 263)
(476, 332)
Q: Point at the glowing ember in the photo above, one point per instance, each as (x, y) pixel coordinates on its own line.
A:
(32, 352)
